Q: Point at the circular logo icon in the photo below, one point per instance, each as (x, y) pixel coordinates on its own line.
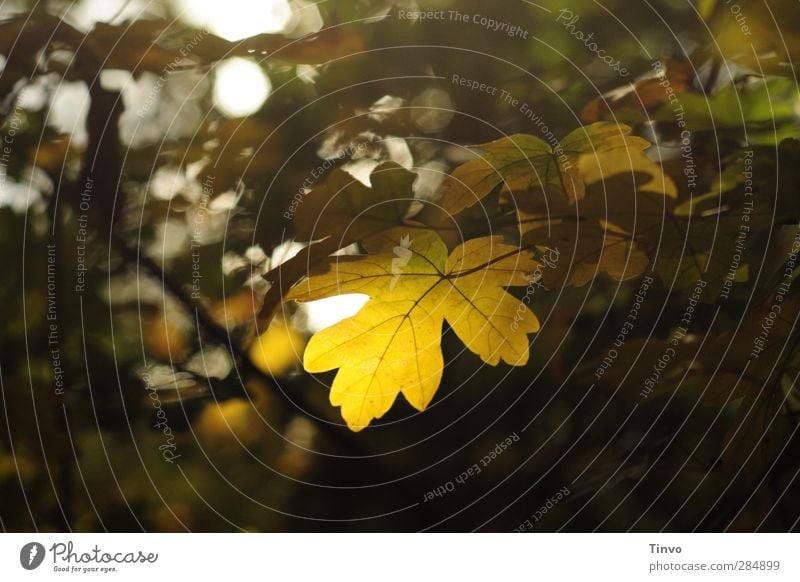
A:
(31, 555)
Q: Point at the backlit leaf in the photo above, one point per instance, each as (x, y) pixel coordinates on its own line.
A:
(392, 345)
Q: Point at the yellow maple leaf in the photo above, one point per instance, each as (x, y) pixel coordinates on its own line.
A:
(393, 345)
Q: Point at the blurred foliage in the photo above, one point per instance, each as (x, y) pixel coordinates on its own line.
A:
(151, 371)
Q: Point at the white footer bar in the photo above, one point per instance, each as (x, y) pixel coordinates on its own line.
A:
(401, 557)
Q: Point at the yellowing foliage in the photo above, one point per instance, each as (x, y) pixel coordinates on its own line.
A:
(524, 162)
(392, 345)
(230, 421)
(278, 350)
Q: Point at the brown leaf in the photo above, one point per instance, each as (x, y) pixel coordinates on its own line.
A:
(645, 96)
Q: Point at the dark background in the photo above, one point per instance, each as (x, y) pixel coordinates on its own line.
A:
(261, 448)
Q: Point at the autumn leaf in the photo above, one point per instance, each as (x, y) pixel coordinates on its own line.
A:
(626, 195)
(168, 335)
(236, 309)
(692, 238)
(524, 162)
(277, 350)
(583, 255)
(632, 216)
(392, 345)
(586, 244)
(634, 102)
(601, 164)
